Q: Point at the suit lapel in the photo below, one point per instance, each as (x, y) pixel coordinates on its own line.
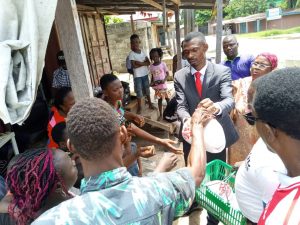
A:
(208, 75)
(191, 84)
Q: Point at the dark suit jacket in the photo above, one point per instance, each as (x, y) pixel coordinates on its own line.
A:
(217, 86)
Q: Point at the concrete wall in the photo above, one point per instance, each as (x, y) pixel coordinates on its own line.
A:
(263, 24)
(251, 26)
(118, 36)
(285, 23)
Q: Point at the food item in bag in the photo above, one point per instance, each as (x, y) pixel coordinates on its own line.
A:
(214, 137)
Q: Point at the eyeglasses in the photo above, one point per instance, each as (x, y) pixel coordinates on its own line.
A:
(260, 66)
(251, 119)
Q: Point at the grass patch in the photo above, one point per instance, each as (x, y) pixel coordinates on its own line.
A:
(269, 33)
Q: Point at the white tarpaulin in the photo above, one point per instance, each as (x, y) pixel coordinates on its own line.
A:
(25, 27)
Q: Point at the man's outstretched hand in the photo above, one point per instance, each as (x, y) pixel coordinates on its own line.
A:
(146, 152)
(168, 162)
(169, 144)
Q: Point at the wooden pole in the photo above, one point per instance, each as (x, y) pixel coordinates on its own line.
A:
(178, 42)
(185, 21)
(168, 33)
(68, 27)
(164, 15)
(192, 19)
(219, 30)
(132, 24)
(173, 41)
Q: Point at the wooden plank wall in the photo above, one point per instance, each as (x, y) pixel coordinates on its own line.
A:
(95, 44)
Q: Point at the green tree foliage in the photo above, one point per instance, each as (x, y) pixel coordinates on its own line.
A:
(293, 3)
(112, 19)
(239, 8)
(202, 16)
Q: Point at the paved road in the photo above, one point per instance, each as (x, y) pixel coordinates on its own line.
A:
(286, 47)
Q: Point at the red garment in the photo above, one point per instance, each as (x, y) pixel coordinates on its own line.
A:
(198, 83)
(284, 207)
(55, 118)
(271, 58)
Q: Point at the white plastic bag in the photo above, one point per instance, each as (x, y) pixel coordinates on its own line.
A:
(214, 137)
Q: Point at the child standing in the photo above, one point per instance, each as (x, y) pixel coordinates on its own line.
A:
(159, 74)
(140, 63)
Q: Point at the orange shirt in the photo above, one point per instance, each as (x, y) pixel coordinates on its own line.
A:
(55, 118)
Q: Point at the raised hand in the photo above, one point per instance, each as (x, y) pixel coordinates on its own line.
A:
(209, 106)
(139, 120)
(200, 117)
(169, 144)
(146, 152)
(168, 162)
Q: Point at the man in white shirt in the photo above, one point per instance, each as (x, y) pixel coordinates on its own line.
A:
(257, 179)
(274, 100)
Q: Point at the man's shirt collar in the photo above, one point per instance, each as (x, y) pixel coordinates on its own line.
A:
(202, 71)
(231, 60)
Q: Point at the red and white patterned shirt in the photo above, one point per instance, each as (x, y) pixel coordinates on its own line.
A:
(284, 208)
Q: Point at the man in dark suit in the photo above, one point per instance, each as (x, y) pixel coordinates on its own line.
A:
(207, 85)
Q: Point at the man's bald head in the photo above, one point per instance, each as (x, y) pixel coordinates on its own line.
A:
(230, 46)
(229, 38)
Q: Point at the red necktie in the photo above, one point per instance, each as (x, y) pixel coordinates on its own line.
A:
(198, 83)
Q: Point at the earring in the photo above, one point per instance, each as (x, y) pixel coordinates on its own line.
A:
(60, 191)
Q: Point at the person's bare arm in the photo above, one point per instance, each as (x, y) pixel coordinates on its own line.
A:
(149, 137)
(139, 162)
(147, 61)
(197, 156)
(145, 152)
(137, 64)
(132, 117)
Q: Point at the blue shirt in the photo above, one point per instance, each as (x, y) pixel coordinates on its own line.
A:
(239, 66)
(115, 197)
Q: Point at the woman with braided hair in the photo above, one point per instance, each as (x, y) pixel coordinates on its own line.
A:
(37, 181)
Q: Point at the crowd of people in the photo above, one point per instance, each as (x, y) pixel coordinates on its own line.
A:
(90, 172)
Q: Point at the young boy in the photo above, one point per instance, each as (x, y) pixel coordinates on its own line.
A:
(140, 63)
(59, 135)
(109, 195)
